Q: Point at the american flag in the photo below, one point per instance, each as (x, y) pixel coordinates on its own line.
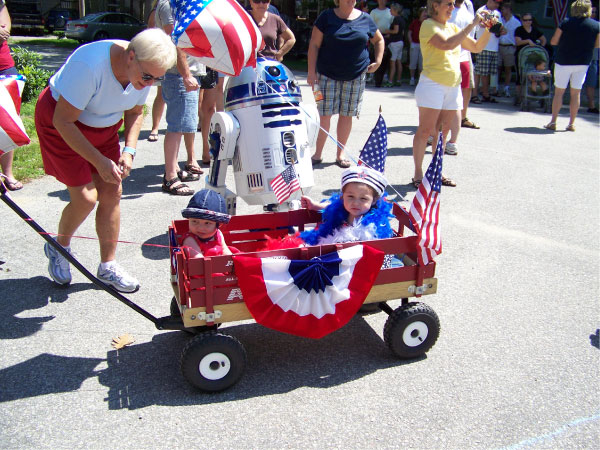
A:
(374, 152)
(285, 184)
(559, 8)
(12, 130)
(425, 208)
(220, 33)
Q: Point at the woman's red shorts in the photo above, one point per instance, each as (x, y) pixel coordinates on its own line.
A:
(60, 160)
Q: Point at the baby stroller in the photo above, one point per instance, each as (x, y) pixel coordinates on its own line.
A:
(528, 59)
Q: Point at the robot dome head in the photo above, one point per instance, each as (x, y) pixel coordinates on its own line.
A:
(269, 83)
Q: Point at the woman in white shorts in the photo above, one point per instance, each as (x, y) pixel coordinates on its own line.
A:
(576, 38)
(438, 93)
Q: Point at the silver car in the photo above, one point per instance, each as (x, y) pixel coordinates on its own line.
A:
(106, 25)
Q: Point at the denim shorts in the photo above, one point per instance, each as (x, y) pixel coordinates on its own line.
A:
(182, 106)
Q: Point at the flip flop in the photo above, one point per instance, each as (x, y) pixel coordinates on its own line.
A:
(466, 123)
(343, 163)
(489, 99)
(13, 185)
(193, 169)
(153, 137)
(551, 126)
(570, 127)
(448, 182)
(416, 183)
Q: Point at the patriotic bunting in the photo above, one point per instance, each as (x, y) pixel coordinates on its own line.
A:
(220, 33)
(12, 130)
(309, 298)
(425, 208)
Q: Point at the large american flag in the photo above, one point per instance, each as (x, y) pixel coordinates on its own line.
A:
(220, 33)
(374, 152)
(425, 208)
(285, 184)
(559, 10)
(12, 130)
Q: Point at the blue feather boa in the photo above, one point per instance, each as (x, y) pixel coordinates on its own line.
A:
(335, 216)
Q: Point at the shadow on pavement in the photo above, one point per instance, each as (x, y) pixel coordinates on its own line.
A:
(156, 248)
(45, 374)
(595, 339)
(530, 130)
(149, 374)
(25, 294)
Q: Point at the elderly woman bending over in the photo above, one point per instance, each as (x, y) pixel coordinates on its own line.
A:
(77, 117)
(438, 93)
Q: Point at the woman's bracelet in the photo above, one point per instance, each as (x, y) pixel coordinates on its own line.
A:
(129, 150)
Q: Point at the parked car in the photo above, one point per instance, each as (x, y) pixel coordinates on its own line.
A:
(57, 18)
(105, 25)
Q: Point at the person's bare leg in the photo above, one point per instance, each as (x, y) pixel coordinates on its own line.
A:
(428, 118)
(108, 217)
(158, 108)
(453, 126)
(392, 72)
(344, 127)
(574, 105)
(220, 99)
(81, 203)
(590, 93)
(476, 87)
(466, 93)
(189, 139)
(171, 149)
(485, 86)
(209, 106)
(557, 103)
(325, 123)
(6, 164)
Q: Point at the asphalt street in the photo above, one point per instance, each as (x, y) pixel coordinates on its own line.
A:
(515, 366)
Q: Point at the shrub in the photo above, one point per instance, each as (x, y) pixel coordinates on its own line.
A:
(27, 63)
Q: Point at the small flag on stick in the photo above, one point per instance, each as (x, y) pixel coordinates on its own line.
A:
(374, 152)
(425, 209)
(285, 184)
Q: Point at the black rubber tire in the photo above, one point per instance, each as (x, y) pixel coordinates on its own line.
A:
(411, 330)
(100, 35)
(213, 361)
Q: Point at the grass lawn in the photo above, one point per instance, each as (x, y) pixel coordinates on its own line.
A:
(27, 163)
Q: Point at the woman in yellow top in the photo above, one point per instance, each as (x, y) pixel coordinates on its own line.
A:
(438, 93)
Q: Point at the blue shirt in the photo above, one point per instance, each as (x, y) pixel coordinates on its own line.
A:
(344, 54)
(576, 44)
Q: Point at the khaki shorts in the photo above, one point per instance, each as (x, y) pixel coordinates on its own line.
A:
(506, 55)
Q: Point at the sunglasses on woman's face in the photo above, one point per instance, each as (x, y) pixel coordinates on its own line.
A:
(527, 20)
(146, 76)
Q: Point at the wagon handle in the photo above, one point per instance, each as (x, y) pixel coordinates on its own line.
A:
(59, 248)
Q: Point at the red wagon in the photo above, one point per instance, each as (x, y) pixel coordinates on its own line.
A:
(207, 293)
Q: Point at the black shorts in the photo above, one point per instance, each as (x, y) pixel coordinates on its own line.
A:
(209, 80)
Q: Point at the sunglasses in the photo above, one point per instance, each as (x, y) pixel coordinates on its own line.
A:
(147, 76)
(527, 20)
(449, 4)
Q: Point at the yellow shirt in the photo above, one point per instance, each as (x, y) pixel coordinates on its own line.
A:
(441, 66)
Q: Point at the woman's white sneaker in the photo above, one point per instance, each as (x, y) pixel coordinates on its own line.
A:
(114, 275)
(451, 148)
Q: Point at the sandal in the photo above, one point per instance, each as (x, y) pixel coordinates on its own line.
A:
(476, 100)
(343, 163)
(448, 182)
(551, 126)
(193, 169)
(153, 137)
(184, 175)
(489, 99)
(416, 183)
(173, 188)
(570, 127)
(13, 185)
(468, 124)
(316, 162)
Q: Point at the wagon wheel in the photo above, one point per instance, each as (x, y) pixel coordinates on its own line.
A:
(174, 311)
(411, 330)
(213, 361)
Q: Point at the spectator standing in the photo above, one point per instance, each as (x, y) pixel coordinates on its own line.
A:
(158, 106)
(77, 117)
(338, 60)
(487, 61)
(591, 77)
(7, 67)
(278, 38)
(438, 93)
(395, 39)
(383, 18)
(576, 38)
(507, 46)
(462, 17)
(180, 92)
(526, 35)
(415, 64)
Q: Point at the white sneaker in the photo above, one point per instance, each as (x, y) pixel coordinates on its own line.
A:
(451, 148)
(412, 81)
(430, 140)
(59, 267)
(114, 275)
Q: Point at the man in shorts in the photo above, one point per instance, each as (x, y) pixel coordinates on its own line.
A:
(487, 60)
(507, 46)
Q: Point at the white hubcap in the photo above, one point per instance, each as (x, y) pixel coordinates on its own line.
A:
(415, 334)
(214, 366)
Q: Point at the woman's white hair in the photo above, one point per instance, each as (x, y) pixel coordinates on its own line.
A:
(154, 46)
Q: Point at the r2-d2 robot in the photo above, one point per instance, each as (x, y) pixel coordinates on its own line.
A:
(264, 130)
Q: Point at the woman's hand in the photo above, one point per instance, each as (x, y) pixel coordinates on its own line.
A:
(373, 67)
(125, 164)
(311, 78)
(109, 171)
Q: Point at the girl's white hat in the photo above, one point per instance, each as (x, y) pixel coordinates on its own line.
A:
(362, 174)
